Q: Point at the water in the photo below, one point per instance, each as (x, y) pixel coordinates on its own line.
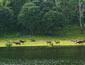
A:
(43, 56)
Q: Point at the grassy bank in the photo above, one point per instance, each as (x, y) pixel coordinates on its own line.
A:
(41, 40)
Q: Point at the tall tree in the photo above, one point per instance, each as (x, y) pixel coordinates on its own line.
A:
(6, 20)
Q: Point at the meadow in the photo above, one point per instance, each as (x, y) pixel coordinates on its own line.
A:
(41, 40)
(41, 53)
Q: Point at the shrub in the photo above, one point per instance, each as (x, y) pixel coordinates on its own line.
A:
(8, 44)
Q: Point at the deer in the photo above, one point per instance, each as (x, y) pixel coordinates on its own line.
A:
(33, 40)
(50, 43)
(57, 42)
(19, 42)
(78, 41)
(22, 41)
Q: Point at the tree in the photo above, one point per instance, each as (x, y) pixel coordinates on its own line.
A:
(6, 19)
(53, 22)
(29, 16)
(40, 16)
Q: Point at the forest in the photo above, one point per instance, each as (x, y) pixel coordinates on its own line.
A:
(42, 17)
(42, 32)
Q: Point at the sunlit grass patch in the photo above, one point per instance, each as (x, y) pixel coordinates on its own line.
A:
(41, 41)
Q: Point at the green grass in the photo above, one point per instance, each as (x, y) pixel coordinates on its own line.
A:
(42, 56)
(41, 41)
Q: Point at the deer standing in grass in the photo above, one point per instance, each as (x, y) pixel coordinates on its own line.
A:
(50, 43)
(19, 42)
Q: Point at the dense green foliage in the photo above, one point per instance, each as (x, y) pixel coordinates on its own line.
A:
(39, 17)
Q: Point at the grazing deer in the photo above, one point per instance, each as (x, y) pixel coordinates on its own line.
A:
(78, 41)
(57, 42)
(19, 42)
(33, 40)
(50, 43)
(22, 41)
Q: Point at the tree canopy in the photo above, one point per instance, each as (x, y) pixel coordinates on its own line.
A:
(40, 17)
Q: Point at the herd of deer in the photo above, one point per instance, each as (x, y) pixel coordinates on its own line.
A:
(52, 42)
(74, 41)
(78, 41)
(19, 42)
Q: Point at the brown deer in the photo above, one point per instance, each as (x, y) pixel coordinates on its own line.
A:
(50, 43)
(78, 41)
(22, 41)
(57, 42)
(19, 42)
(33, 40)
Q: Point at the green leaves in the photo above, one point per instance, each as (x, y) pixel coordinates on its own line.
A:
(38, 16)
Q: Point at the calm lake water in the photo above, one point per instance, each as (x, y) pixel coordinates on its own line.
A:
(43, 56)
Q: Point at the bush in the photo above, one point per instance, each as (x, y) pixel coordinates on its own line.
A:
(8, 44)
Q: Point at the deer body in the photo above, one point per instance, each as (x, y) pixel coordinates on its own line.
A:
(19, 42)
